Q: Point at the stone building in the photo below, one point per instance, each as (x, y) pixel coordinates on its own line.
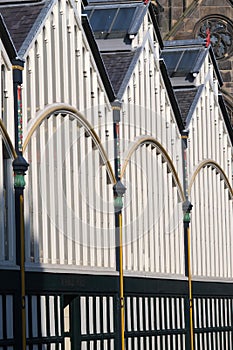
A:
(186, 19)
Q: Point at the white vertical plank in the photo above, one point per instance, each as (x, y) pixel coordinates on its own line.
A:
(76, 190)
(223, 229)
(140, 222)
(49, 58)
(105, 225)
(98, 314)
(160, 188)
(52, 159)
(150, 211)
(206, 227)
(145, 207)
(84, 315)
(43, 193)
(52, 316)
(59, 192)
(35, 231)
(166, 219)
(68, 207)
(40, 58)
(105, 316)
(140, 299)
(57, 56)
(43, 319)
(135, 214)
(229, 230)
(156, 213)
(84, 233)
(91, 314)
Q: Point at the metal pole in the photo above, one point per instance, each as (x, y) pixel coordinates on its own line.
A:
(119, 190)
(187, 207)
(190, 291)
(22, 270)
(20, 167)
(121, 273)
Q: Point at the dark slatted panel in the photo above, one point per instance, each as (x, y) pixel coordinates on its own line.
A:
(213, 323)
(44, 322)
(6, 322)
(97, 319)
(154, 323)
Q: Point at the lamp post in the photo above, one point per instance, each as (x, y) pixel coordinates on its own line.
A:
(187, 207)
(118, 192)
(20, 167)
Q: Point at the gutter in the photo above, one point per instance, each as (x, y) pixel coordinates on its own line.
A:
(171, 95)
(156, 26)
(226, 117)
(98, 59)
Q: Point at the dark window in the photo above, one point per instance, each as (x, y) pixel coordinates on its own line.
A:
(111, 22)
(101, 20)
(123, 19)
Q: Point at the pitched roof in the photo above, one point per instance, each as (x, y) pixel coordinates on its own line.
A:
(185, 99)
(115, 23)
(184, 59)
(20, 19)
(117, 65)
(6, 39)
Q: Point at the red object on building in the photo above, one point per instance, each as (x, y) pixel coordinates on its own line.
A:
(208, 42)
(146, 2)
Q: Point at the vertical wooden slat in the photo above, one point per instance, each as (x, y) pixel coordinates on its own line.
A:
(68, 212)
(60, 188)
(52, 159)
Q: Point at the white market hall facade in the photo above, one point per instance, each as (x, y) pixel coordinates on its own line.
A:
(122, 234)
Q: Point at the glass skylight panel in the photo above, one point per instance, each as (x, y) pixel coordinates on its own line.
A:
(181, 62)
(114, 22)
(172, 60)
(187, 61)
(123, 19)
(101, 20)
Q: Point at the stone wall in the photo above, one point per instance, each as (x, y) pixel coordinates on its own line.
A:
(182, 19)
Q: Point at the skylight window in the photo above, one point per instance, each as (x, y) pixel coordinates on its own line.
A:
(113, 22)
(181, 62)
(123, 19)
(101, 20)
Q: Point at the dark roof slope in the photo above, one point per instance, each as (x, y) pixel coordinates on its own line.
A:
(20, 19)
(6, 39)
(185, 98)
(117, 65)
